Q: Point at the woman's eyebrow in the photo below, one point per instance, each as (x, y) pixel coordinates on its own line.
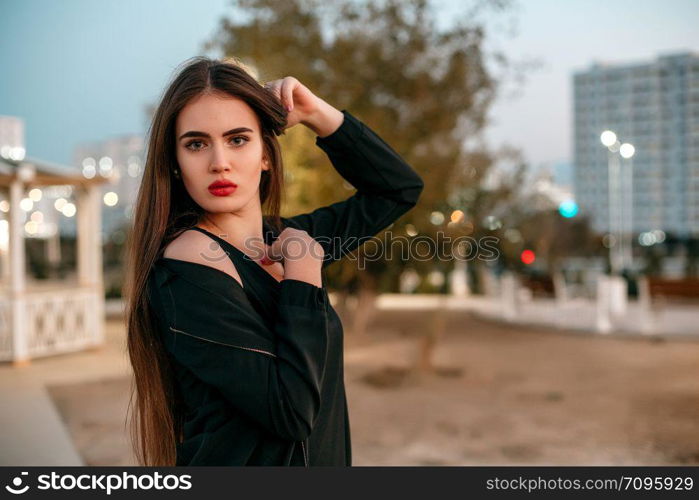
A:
(195, 133)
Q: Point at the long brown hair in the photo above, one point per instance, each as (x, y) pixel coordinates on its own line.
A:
(164, 209)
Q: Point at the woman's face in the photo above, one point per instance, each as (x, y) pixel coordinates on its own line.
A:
(218, 138)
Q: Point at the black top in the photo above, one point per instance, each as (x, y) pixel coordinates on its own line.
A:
(260, 366)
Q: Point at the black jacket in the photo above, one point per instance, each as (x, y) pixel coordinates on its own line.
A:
(260, 367)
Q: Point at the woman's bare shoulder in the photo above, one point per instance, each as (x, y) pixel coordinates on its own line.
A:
(194, 246)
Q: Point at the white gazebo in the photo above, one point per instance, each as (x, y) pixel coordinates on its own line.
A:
(52, 316)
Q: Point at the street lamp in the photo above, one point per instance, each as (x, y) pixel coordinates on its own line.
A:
(612, 290)
(627, 151)
(609, 140)
(618, 254)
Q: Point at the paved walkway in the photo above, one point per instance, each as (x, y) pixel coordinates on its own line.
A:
(31, 430)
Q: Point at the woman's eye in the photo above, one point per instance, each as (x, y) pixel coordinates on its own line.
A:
(191, 147)
(244, 139)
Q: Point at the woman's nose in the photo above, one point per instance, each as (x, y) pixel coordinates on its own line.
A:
(220, 167)
(219, 162)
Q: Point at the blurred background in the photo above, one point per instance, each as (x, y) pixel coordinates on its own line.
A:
(549, 316)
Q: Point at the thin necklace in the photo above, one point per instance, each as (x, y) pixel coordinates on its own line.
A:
(223, 235)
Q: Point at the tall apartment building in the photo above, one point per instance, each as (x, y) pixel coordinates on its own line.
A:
(121, 161)
(654, 106)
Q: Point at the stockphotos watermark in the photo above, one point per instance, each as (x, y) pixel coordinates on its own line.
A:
(424, 248)
(100, 482)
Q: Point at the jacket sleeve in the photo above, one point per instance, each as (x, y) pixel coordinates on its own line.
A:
(387, 187)
(271, 376)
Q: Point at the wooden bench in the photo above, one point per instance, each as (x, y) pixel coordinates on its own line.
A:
(678, 289)
(540, 285)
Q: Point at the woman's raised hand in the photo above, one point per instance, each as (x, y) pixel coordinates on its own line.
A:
(302, 255)
(300, 103)
(303, 106)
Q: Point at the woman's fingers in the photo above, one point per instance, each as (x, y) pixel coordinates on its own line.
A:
(288, 85)
(274, 86)
(284, 90)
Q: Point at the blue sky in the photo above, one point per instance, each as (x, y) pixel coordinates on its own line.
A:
(83, 70)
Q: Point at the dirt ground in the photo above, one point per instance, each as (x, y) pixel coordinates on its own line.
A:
(500, 395)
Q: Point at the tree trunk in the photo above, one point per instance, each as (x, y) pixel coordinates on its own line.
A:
(366, 306)
(341, 306)
(430, 337)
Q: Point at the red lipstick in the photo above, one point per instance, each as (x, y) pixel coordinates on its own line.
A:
(222, 187)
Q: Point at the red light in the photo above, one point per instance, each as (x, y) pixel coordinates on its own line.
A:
(527, 257)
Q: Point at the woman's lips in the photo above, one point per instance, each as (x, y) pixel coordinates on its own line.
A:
(222, 187)
(222, 190)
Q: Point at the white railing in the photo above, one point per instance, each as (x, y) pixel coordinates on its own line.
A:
(56, 321)
(5, 329)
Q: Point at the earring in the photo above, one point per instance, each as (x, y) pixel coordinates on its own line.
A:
(176, 172)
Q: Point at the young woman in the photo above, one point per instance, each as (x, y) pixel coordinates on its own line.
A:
(235, 348)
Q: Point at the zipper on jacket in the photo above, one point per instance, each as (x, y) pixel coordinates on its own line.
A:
(223, 343)
(303, 451)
